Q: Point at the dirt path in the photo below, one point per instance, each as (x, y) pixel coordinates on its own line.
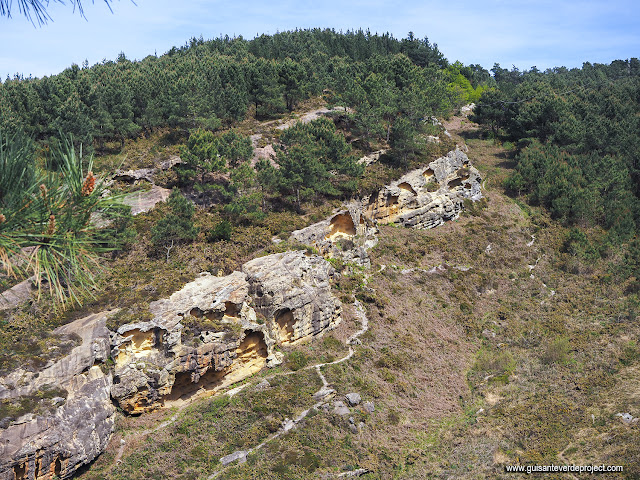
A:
(324, 391)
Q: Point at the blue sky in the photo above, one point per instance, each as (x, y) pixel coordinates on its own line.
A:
(544, 33)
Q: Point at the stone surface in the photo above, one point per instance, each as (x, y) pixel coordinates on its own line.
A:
(263, 385)
(160, 362)
(340, 408)
(239, 455)
(627, 418)
(368, 407)
(423, 198)
(346, 235)
(467, 109)
(79, 427)
(292, 292)
(17, 294)
(373, 157)
(145, 200)
(325, 393)
(353, 399)
(427, 197)
(146, 174)
(131, 176)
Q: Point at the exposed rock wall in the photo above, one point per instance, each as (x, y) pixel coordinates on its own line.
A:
(423, 198)
(292, 292)
(203, 337)
(161, 361)
(346, 235)
(77, 429)
(207, 335)
(427, 197)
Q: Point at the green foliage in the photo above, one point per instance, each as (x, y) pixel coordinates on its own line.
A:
(204, 84)
(556, 351)
(297, 360)
(459, 86)
(630, 353)
(222, 231)
(577, 244)
(577, 134)
(49, 215)
(313, 159)
(201, 152)
(497, 364)
(177, 225)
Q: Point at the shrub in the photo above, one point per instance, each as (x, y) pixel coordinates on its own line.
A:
(177, 226)
(630, 353)
(556, 352)
(222, 231)
(297, 360)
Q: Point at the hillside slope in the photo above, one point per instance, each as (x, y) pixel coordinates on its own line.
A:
(486, 347)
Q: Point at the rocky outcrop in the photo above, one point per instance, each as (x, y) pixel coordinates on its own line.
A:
(219, 330)
(423, 198)
(427, 197)
(147, 174)
(57, 440)
(346, 235)
(210, 334)
(17, 294)
(292, 292)
(373, 157)
(200, 339)
(145, 200)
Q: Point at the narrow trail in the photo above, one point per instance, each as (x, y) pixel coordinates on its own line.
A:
(288, 424)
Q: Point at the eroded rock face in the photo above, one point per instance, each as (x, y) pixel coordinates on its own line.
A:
(427, 197)
(423, 198)
(346, 235)
(292, 292)
(201, 338)
(208, 336)
(145, 200)
(76, 429)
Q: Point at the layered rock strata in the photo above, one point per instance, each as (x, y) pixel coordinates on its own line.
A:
(427, 197)
(423, 198)
(213, 332)
(346, 235)
(219, 330)
(73, 431)
(292, 292)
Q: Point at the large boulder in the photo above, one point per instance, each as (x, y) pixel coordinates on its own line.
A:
(200, 339)
(291, 291)
(62, 434)
(347, 235)
(144, 200)
(427, 197)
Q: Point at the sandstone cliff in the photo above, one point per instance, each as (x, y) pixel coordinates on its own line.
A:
(346, 235)
(70, 432)
(219, 330)
(423, 198)
(213, 332)
(427, 197)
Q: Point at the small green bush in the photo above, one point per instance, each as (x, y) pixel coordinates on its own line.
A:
(630, 353)
(556, 352)
(221, 231)
(297, 360)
